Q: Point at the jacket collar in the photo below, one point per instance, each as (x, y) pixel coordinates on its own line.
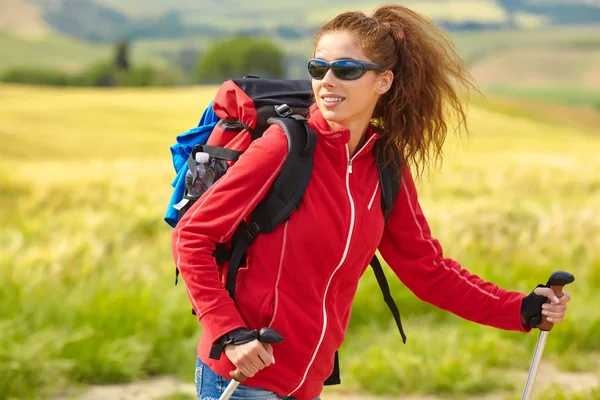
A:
(321, 126)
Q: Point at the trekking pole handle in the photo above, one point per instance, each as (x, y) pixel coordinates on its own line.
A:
(556, 282)
(267, 336)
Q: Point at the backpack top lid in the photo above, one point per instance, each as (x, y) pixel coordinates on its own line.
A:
(247, 104)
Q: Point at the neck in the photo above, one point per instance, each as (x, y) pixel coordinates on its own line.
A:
(358, 131)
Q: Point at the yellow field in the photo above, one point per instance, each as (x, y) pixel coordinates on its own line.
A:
(86, 274)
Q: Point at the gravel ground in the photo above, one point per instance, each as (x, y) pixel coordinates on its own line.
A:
(165, 386)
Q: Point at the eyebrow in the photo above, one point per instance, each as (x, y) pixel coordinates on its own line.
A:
(339, 58)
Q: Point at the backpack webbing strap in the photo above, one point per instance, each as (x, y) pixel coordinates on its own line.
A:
(217, 152)
(244, 236)
(285, 194)
(387, 296)
(390, 186)
(283, 198)
(220, 153)
(288, 188)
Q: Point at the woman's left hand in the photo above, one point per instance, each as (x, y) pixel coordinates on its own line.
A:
(555, 310)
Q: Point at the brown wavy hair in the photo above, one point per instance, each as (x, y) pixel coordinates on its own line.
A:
(429, 82)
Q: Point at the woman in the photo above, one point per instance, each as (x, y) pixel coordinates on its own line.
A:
(301, 279)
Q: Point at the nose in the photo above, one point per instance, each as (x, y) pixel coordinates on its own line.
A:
(329, 79)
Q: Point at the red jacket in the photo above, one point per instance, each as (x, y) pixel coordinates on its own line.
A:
(302, 277)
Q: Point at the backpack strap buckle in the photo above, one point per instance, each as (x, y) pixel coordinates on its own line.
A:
(283, 110)
(252, 230)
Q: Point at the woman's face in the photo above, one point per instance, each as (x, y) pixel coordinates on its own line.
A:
(345, 103)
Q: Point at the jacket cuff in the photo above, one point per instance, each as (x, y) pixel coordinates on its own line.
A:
(522, 327)
(220, 321)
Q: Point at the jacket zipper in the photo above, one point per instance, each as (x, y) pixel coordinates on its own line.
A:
(355, 154)
(346, 250)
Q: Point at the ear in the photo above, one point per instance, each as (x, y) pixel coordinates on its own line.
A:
(385, 82)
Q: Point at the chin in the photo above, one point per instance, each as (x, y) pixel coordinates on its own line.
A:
(332, 115)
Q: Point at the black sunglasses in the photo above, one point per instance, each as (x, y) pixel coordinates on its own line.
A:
(347, 70)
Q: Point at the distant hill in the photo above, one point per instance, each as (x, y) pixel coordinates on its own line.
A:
(505, 42)
(108, 20)
(24, 18)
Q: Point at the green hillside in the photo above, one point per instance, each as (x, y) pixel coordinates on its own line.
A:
(50, 50)
(173, 33)
(108, 20)
(298, 13)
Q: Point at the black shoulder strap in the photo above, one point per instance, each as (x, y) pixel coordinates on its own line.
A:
(288, 188)
(387, 296)
(390, 186)
(285, 194)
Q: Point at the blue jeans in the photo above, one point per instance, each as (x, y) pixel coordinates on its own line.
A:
(210, 386)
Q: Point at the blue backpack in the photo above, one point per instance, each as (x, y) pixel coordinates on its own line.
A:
(181, 151)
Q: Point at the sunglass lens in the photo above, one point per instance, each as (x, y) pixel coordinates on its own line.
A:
(347, 69)
(317, 69)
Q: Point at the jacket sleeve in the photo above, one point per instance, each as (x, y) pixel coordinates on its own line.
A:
(418, 261)
(213, 219)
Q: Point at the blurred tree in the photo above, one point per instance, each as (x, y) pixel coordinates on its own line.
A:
(187, 58)
(98, 74)
(35, 76)
(239, 56)
(122, 55)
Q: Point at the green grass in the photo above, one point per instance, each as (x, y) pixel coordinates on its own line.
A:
(86, 271)
(555, 392)
(68, 54)
(578, 96)
(50, 51)
(179, 396)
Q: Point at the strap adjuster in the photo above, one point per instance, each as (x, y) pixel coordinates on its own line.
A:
(252, 230)
(283, 110)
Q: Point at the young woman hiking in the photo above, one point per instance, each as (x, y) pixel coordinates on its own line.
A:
(381, 83)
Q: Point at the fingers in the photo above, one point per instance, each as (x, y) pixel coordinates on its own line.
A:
(549, 293)
(553, 316)
(247, 370)
(555, 310)
(250, 357)
(554, 313)
(253, 361)
(266, 355)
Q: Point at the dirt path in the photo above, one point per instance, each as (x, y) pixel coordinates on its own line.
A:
(161, 387)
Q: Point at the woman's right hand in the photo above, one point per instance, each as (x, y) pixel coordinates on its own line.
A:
(250, 357)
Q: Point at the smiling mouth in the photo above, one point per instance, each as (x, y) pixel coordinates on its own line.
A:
(332, 99)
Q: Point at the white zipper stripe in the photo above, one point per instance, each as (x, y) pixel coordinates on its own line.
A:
(352, 212)
(285, 229)
(436, 252)
(374, 193)
(352, 216)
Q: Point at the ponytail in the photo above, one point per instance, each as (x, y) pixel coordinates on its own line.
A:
(429, 77)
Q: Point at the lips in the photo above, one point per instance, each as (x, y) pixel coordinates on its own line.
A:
(330, 100)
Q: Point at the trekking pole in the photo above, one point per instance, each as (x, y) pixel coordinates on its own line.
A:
(556, 282)
(266, 335)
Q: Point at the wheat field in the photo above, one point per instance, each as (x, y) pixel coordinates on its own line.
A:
(87, 289)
